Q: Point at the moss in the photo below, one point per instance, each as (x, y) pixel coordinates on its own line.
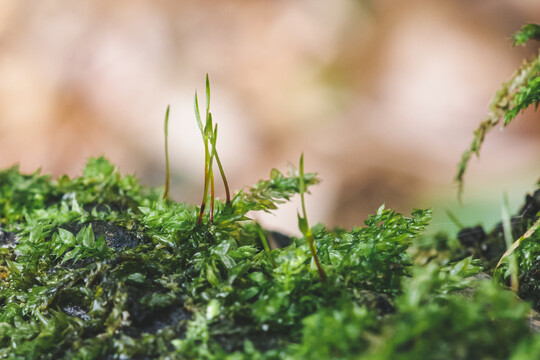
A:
(107, 259)
(100, 267)
(515, 95)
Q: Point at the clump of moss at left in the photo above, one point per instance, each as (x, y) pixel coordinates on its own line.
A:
(100, 266)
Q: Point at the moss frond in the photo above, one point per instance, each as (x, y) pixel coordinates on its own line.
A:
(515, 95)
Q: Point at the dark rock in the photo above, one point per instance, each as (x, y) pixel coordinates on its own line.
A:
(7, 238)
(153, 321)
(146, 319)
(116, 236)
(374, 301)
(532, 206)
(278, 240)
(471, 237)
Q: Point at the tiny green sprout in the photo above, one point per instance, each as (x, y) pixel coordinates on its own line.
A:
(167, 167)
(264, 242)
(213, 139)
(218, 161)
(507, 231)
(209, 136)
(303, 222)
(454, 219)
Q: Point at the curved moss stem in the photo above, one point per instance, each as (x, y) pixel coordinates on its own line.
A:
(167, 167)
(304, 225)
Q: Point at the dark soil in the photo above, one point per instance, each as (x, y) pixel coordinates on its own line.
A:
(490, 246)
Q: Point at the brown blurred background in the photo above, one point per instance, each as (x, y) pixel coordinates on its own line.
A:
(381, 96)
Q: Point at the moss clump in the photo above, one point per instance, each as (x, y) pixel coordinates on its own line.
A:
(100, 267)
(104, 268)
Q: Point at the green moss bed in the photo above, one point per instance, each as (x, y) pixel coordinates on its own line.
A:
(99, 267)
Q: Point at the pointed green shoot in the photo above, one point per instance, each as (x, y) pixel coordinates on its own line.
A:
(198, 114)
(454, 219)
(209, 135)
(225, 183)
(509, 239)
(204, 133)
(213, 140)
(303, 222)
(206, 175)
(207, 95)
(220, 167)
(167, 167)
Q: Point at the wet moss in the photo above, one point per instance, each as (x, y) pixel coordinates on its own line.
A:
(148, 280)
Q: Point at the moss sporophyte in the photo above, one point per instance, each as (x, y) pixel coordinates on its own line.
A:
(101, 267)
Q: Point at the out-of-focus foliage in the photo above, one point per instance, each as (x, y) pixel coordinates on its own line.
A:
(527, 32)
(515, 95)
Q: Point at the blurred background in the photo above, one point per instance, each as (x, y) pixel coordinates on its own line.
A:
(380, 96)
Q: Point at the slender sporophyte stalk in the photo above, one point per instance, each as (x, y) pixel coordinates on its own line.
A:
(206, 160)
(303, 222)
(213, 140)
(209, 136)
(509, 239)
(167, 167)
(225, 183)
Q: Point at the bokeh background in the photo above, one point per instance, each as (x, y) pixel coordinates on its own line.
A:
(380, 96)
